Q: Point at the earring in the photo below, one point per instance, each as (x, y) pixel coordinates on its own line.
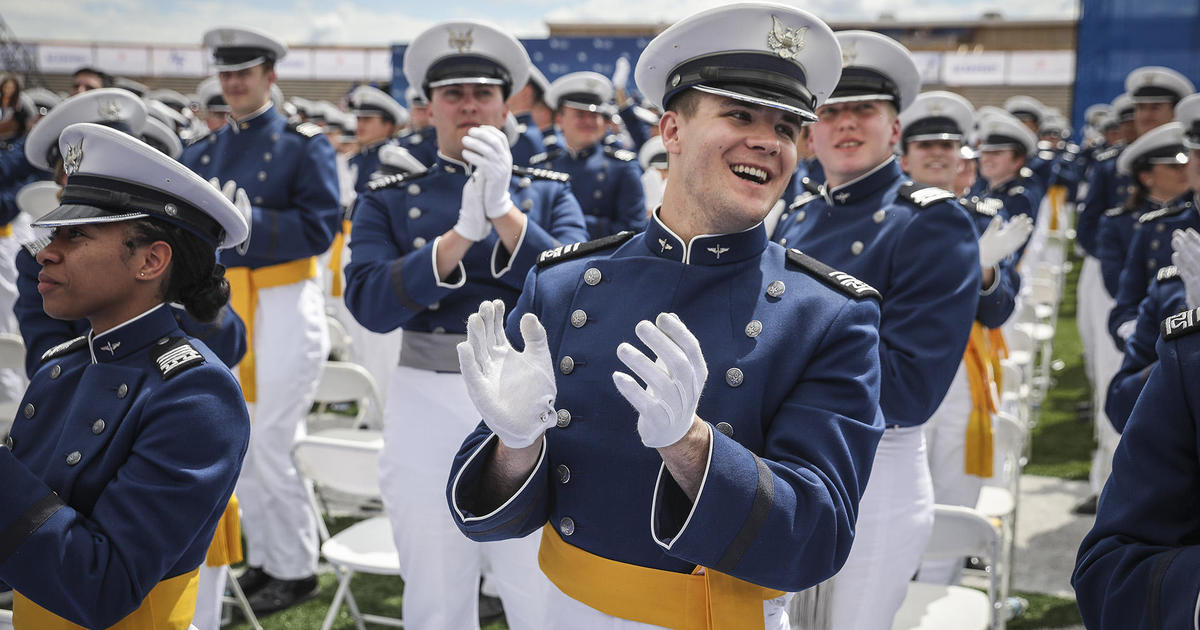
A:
(142, 274)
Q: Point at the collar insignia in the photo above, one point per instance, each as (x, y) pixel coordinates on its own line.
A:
(786, 42)
(111, 347)
(718, 250)
(842, 197)
(665, 245)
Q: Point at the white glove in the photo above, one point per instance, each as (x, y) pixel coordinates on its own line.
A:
(240, 200)
(486, 148)
(1001, 239)
(620, 75)
(513, 391)
(473, 224)
(1186, 258)
(667, 406)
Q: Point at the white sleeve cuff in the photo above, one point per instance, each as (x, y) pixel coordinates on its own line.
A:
(496, 273)
(662, 471)
(462, 271)
(995, 282)
(458, 511)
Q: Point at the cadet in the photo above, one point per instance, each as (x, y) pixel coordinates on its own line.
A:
(606, 180)
(426, 250)
(212, 103)
(917, 246)
(528, 105)
(285, 177)
(87, 78)
(1004, 146)
(109, 519)
(959, 433)
(379, 117)
(685, 511)
(1137, 567)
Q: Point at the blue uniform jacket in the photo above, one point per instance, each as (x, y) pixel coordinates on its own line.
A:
(367, 161)
(422, 144)
(226, 336)
(391, 281)
(639, 130)
(1105, 189)
(793, 384)
(1165, 297)
(1112, 241)
(997, 302)
(1139, 567)
(1020, 195)
(290, 174)
(1149, 252)
(608, 184)
(121, 462)
(925, 262)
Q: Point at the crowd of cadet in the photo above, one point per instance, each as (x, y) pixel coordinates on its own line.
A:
(809, 265)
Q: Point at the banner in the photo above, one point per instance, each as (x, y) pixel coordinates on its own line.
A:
(124, 61)
(973, 68)
(179, 62)
(64, 59)
(1042, 67)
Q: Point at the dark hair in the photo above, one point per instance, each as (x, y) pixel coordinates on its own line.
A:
(196, 280)
(1140, 192)
(106, 79)
(686, 103)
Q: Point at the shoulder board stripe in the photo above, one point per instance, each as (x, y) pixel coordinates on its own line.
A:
(540, 173)
(1115, 212)
(839, 280)
(623, 155)
(174, 355)
(391, 181)
(1169, 272)
(1164, 212)
(67, 347)
(306, 129)
(1181, 324)
(923, 196)
(1107, 154)
(576, 250)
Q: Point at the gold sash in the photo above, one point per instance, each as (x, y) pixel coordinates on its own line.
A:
(170, 605)
(978, 360)
(226, 546)
(244, 284)
(335, 259)
(708, 601)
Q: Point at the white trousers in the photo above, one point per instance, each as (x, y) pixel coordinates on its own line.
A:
(208, 597)
(375, 352)
(946, 441)
(895, 518)
(427, 417)
(563, 611)
(290, 344)
(1090, 298)
(1095, 304)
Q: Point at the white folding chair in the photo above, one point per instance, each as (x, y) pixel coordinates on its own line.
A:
(339, 339)
(347, 461)
(957, 532)
(12, 356)
(341, 382)
(999, 497)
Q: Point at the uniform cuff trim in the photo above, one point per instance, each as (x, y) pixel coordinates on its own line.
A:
(658, 498)
(496, 252)
(449, 283)
(396, 279)
(28, 523)
(460, 513)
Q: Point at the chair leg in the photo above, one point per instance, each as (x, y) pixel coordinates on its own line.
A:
(242, 602)
(353, 604)
(338, 595)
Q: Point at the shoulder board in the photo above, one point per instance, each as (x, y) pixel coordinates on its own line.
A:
(201, 137)
(1026, 171)
(1016, 190)
(540, 173)
(576, 250)
(810, 185)
(174, 355)
(390, 181)
(803, 199)
(839, 280)
(64, 348)
(538, 158)
(1107, 154)
(1073, 148)
(988, 207)
(1163, 212)
(1181, 324)
(923, 196)
(306, 129)
(550, 140)
(611, 139)
(1169, 272)
(1115, 212)
(623, 155)
(1047, 154)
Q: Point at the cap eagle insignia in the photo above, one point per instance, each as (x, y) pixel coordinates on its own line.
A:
(461, 41)
(109, 110)
(786, 42)
(72, 158)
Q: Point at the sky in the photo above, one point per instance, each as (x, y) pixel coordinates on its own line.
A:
(382, 22)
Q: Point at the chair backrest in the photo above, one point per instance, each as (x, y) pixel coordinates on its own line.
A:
(1043, 291)
(1018, 340)
(1008, 442)
(339, 339)
(345, 460)
(961, 531)
(343, 381)
(1012, 377)
(12, 352)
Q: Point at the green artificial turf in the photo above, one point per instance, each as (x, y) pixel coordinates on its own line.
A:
(1046, 611)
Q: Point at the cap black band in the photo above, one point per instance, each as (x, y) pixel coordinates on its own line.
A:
(658, 160)
(123, 196)
(1191, 137)
(930, 126)
(1156, 92)
(367, 109)
(859, 81)
(1001, 140)
(1147, 160)
(467, 67)
(233, 56)
(755, 74)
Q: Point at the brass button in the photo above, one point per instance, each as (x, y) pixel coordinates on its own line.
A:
(28, 410)
(527, 204)
(55, 371)
(262, 176)
(564, 473)
(566, 365)
(598, 194)
(267, 156)
(578, 318)
(566, 526)
(856, 247)
(414, 213)
(414, 189)
(879, 215)
(73, 458)
(419, 242)
(439, 330)
(776, 288)
(800, 215)
(435, 306)
(734, 377)
(753, 328)
(783, 242)
(1154, 244)
(98, 427)
(257, 200)
(600, 176)
(204, 159)
(725, 428)
(524, 182)
(122, 390)
(564, 418)
(592, 276)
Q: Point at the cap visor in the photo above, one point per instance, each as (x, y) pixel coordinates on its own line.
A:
(802, 113)
(858, 97)
(234, 67)
(470, 80)
(934, 136)
(78, 214)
